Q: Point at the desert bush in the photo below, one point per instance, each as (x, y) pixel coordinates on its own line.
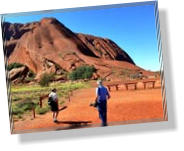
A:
(61, 102)
(21, 107)
(46, 79)
(31, 74)
(16, 110)
(130, 74)
(134, 76)
(42, 110)
(14, 65)
(26, 105)
(16, 98)
(126, 72)
(82, 72)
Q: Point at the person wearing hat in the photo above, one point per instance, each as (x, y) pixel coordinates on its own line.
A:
(102, 95)
(54, 104)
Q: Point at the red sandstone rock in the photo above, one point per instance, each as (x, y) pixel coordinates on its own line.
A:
(42, 46)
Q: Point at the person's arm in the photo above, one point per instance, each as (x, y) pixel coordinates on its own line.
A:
(96, 95)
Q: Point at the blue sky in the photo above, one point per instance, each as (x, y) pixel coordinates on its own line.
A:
(133, 28)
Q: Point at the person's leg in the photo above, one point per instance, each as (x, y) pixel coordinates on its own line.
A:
(57, 112)
(100, 111)
(105, 117)
(104, 114)
(53, 115)
(54, 108)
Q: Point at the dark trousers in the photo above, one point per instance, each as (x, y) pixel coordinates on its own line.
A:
(102, 109)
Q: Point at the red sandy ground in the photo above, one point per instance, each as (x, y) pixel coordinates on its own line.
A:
(123, 106)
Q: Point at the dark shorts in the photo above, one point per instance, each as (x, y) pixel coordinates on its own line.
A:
(54, 107)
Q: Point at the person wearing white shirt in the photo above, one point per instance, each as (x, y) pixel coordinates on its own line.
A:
(54, 104)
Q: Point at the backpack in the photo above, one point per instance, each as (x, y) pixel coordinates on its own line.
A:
(50, 100)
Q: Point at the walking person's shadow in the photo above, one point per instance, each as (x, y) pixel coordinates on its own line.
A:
(73, 124)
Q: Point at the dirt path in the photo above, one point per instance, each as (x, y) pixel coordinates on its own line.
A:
(123, 106)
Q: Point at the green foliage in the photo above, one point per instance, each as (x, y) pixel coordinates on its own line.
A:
(27, 96)
(135, 76)
(19, 116)
(126, 72)
(16, 110)
(61, 102)
(26, 105)
(82, 72)
(42, 110)
(21, 107)
(16, 98)
(14, 65)
(130, 74)
(24, 90)
(31, 74)
(46, 79)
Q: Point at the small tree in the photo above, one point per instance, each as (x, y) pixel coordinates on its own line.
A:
(45, 79)
(82, 72)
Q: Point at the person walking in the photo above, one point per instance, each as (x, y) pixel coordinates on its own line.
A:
(102, 95)
(53, 99)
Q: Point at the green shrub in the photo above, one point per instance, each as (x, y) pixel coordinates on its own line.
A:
(31, 74)
(61, 102)
(14, 65)
(42, 110)
(26, 105)
(16, 98)
(46, 79)
(16, 110)
(126, 72)
(19, 116)
(82, 72)
(21, 107)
